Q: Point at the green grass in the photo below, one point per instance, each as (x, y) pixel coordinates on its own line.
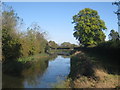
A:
(36, 57)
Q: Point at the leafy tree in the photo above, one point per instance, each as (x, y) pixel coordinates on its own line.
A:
(88, 27)
(33, 41)
(66, 44)
(53, 44)
(17, 44)
(10, 40)
(114, 35)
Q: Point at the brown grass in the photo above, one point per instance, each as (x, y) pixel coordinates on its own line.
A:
(105, 81)
(100, 78)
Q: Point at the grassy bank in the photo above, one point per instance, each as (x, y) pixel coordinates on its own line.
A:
(33, 58)
(90, 70)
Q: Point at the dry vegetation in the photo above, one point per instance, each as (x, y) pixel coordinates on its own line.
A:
(105, 81)
(86, 74)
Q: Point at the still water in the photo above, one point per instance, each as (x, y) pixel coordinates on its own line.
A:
(43, 74)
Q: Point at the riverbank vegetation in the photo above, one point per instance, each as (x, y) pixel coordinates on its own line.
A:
(89, 70)
(19, 48)
(95, 63)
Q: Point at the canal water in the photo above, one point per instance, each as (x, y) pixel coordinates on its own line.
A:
(43, 74)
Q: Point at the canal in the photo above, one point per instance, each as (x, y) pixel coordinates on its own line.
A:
(42, 74)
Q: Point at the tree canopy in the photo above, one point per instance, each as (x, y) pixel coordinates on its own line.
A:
(17, 44)
(68, 44)
(114, 35)
(10, 40)
(88, 27)
(53, 44)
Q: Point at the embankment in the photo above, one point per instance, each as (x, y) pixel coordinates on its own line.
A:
(90, 68)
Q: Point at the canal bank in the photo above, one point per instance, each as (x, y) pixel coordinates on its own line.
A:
(89, 70)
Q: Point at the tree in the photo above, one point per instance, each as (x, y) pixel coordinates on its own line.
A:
(66, 44)
(88, 27)
(53, 44)
(33, 41)
(114, 35)
(17, 44)
(10, 40)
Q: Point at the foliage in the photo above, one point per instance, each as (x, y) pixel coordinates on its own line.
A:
(33, 58)
(110, 44)
(114, 35)
(88, 27)
(28, 42)
(68, 44)
(113, 43)
(53, 44)
(10, 42)
(18, 44)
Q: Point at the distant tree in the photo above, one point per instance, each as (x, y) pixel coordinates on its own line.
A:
(88, 27)
(68, 44)
(114, 35)
(74, 45)
(53, 44)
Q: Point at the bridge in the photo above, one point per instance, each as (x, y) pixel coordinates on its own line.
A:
(70, 48)
(61, 50)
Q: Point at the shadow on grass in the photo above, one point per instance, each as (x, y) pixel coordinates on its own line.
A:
(81, 66)
(85, 63)
(107, 59)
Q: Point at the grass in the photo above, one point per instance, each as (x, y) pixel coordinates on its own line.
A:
(62, 84)
(105, 81)
(107, 59)
(87, 71)
(33, 58)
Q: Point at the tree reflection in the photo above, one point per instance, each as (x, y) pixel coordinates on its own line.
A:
(33, 74)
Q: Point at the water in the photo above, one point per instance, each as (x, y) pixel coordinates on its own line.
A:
(41, 74)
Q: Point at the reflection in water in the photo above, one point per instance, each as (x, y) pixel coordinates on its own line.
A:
(32, 74)
(41, 74)
(12, 82)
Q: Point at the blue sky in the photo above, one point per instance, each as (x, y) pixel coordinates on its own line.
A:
(55, 17)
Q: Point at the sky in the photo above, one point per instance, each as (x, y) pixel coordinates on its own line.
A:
(56, 17)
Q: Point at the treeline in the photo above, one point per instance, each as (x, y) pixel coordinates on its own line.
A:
(17, 44)
(113, 42)
(54, 45)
